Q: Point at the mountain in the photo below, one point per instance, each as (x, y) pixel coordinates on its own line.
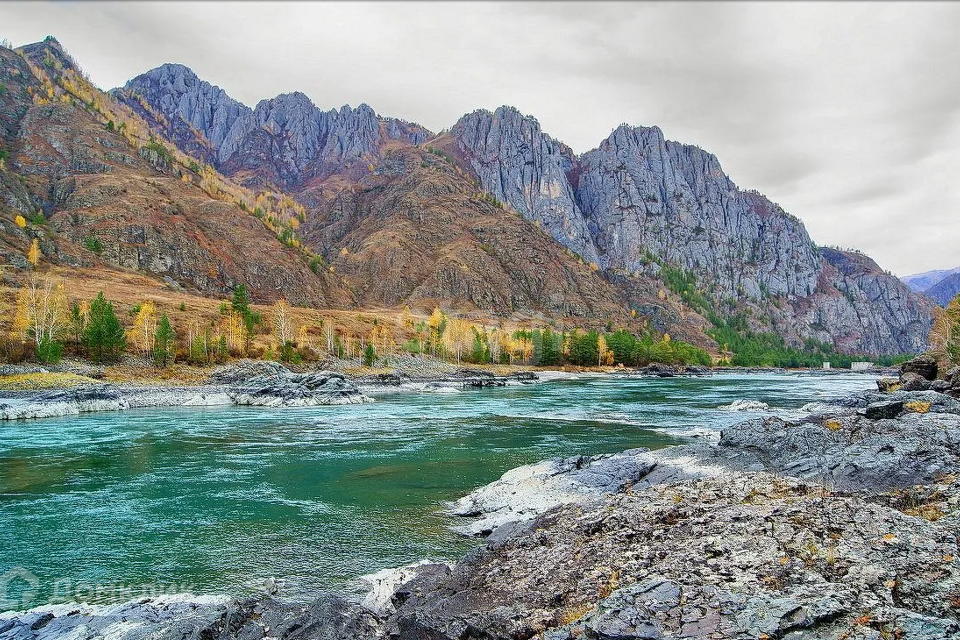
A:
(945, 290)
(493, 215)
(108, 180)
(642, 205)
(921, 282)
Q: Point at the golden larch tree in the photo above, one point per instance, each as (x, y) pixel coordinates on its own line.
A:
(144, 327)
(33, 253)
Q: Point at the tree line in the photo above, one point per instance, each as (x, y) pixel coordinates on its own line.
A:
(45, 324)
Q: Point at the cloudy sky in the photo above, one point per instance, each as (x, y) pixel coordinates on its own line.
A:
(846, 115)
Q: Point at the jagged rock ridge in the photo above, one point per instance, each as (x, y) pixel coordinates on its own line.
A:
(286, 140)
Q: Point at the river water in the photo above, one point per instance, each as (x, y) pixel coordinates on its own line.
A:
(104, 507)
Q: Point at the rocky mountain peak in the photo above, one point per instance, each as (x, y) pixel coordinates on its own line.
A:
(187, 106)
(527, 169)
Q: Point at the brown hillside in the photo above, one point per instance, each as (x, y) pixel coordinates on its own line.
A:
(93, 196)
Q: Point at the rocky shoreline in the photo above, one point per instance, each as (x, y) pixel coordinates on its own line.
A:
(270, 384)
(840, 525)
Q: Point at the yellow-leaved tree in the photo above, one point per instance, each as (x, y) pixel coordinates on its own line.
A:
(438, 325)
(457, 336)
(604, 354)
(282, 322)
(33, 253)
(945, 334)
(143, 329)
(234, 329)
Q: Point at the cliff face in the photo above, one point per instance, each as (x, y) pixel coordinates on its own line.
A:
(520, 165)
(416, 231)
(643, 194)
(639, 203)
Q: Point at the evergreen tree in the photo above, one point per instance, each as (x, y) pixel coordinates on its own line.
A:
(240, 301)
(583, 350)
(104, 336)
(163, 342)
(369, 355)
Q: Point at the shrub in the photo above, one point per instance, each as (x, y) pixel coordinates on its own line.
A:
(49, 351)
(164, 339)
(369, 355)
(92, 243)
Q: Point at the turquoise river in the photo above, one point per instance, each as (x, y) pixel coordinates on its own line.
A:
(109, 506)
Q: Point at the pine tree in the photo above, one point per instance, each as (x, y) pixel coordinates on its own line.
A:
(103, 336)
(369, 355)
(240, 301)
(163, 342)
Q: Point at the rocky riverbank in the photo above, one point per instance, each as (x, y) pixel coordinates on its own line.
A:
(842, 524)
(245, 383)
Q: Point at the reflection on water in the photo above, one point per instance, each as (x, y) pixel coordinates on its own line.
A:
(220, 498)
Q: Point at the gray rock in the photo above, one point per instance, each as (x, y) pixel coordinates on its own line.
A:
(204, 618)
(270, 384)
(880, 410)
(914, 382)
(48, 404)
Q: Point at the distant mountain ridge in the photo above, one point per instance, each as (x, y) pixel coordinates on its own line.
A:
(284, 141)
(493, 214)
(945, 290)
(941, 285)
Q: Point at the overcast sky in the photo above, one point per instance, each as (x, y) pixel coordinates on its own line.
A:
(846, 115)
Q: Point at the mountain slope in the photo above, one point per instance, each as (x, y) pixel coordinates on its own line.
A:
(96, 193)
(416, 230)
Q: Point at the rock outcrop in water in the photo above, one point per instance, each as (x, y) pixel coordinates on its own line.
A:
(245, 383)
(51, 404)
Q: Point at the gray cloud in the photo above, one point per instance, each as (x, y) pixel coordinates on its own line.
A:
(848, 115)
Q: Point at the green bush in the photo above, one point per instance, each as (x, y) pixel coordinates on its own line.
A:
(92, 243)
(49, 351)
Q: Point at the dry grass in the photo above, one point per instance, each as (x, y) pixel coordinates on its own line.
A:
(917, 406)
(40, 381)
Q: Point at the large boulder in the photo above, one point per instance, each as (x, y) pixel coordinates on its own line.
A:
(288, 389)
(923, 365)
(911, 381)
